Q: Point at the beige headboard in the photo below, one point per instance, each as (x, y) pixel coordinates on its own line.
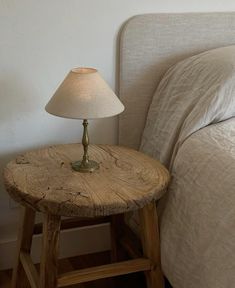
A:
(149, 45)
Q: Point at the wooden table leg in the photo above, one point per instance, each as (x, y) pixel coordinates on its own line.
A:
(116, 223)
(151, 244)
(24, 242)
(50, 247)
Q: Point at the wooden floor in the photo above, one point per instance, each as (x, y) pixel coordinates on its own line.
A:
(136, 280)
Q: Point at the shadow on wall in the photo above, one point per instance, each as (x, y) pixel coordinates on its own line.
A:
(16, 99)
(16, 108)
(23, 127)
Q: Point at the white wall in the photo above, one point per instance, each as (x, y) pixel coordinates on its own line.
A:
(40, 41)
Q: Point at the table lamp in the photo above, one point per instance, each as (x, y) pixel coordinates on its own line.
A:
(84, 95)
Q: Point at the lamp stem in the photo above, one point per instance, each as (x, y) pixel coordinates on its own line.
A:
(85, 142)
(85, 165)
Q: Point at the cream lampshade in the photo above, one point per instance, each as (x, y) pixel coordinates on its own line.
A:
(84, 95)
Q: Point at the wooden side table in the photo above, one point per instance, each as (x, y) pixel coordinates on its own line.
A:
(44, 181)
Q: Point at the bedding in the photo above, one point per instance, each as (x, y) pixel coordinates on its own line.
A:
(191, 129)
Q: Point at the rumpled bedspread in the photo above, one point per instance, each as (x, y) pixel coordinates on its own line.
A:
(191, 129)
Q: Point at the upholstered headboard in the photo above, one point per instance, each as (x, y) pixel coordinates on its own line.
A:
(149, 45)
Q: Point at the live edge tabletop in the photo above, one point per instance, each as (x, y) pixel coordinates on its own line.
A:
(44, 180)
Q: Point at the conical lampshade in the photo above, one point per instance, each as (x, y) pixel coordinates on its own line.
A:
(84, 95)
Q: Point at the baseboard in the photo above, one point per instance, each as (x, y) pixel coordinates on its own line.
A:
(73, 242)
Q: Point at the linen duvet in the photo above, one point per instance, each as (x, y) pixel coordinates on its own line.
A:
(190, 128)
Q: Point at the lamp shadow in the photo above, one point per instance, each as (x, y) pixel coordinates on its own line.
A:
(17, 103)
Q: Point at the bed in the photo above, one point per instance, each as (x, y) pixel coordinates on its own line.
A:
(197, 238)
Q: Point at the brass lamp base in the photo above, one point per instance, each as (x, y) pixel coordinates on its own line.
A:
(85, 167)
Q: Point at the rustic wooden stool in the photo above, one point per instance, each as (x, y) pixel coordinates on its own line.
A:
(44, 181)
